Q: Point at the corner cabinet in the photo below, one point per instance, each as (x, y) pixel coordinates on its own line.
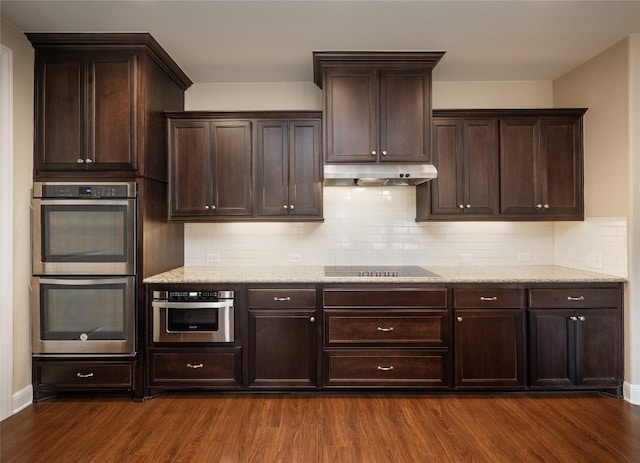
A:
(505, 164)
(236, 166)
(575, 337)
(376, 105)
(98, 103)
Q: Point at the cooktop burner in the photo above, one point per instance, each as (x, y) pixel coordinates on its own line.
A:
(377, 271)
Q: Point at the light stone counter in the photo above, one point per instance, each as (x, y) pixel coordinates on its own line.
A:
(300, 274)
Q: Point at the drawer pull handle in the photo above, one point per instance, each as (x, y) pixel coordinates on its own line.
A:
(196, 366)
(381, 368)
(281, 299)
(575, 298)
(84, 375)
(385, 330)
(488, 298)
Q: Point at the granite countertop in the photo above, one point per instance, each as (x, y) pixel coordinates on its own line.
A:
(315, 274)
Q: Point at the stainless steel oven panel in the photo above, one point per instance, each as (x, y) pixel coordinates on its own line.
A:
(126, 266)
(225, 332)
(85, 345)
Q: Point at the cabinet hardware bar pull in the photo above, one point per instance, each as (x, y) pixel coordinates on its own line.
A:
(488, 298)
(84, 375)
(197, 365)
(575, 298)
(386, 330)
(381, 368)
(282, 299)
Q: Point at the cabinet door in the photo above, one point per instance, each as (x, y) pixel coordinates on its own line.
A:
(282, 348)
(111, 113)
(272, 168)
(551, 349)
(480, 161)
(598, 348)
(61, 139)
(231, 161)
(519, 161)
(350, 115)
(405, 116)
(305, 163)
(561, 172)
(190, 173)
(489, 349)
(447, 190)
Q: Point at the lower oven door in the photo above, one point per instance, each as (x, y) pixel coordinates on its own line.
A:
(198, 322)
(78, 316)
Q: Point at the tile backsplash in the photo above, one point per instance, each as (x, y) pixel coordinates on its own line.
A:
(375, 225)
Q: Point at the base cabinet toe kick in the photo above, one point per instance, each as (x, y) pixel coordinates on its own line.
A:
(398, 337)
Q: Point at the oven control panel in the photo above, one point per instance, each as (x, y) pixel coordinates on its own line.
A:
(192, 296)
(84, 191)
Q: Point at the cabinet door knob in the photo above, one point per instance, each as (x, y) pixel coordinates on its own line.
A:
(195, 366)
(84, 375)
(468, 206)
(291, 206)
(582, 318)
(80, 161)
(373, 153)
(88, 160)
(546, 206)
(460, 206)
(312, 319)
(384, 152)
(538, 206)
(459, 319)
(285, 207)
(573, 319)
(206, 207)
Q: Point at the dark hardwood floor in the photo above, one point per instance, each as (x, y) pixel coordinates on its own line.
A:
(362, 428)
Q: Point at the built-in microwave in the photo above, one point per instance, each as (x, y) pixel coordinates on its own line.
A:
(83, 316)
(193, 316)
(84, 228)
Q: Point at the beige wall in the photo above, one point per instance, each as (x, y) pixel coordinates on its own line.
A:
(22, 181)
(602, 85)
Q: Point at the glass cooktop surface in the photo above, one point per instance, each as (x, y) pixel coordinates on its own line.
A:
(377, 271)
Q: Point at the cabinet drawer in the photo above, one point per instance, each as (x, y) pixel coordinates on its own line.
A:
(80, 375)
(574, 298)
(380, 368)
(491, 298)
(282, 298)
(426, 328)
(220, 368)
(400, 297)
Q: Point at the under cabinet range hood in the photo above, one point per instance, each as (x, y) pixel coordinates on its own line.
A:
(378, 174)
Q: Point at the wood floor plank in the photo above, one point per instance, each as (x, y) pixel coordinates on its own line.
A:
(358, 428)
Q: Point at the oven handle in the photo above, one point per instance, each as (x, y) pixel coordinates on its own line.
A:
(192, 305)
(83, 281)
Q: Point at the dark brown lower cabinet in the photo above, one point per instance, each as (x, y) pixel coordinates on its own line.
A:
(282, 338)
(195, 368)
(575, 338)
(76, 375)
(489, 337)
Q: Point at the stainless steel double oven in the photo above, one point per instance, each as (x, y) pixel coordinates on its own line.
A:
(84, 269)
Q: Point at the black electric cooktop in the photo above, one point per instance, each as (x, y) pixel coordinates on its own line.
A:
(377, 271)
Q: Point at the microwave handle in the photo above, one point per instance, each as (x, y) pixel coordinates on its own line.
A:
(191, 305)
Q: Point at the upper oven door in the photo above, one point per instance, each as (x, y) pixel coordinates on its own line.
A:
(84, 236)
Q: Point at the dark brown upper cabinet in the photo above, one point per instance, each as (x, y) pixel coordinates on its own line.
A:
(210, 165)
(237, 166)
(99, 102)
(289, 160)
(376, 105)
(541, 166)
(465, 152)
(505, 164)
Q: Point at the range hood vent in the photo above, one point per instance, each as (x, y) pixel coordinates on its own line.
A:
(378, 174)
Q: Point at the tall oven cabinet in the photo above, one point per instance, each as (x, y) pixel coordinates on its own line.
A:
(100, 101)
